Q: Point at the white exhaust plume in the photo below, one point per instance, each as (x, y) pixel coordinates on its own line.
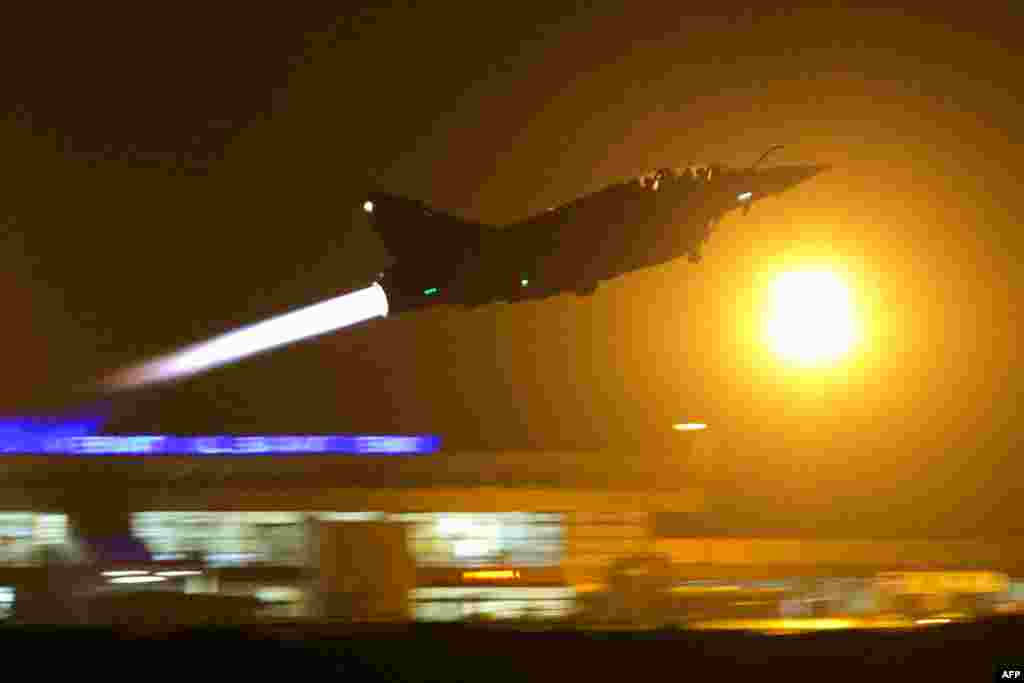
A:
(327, 316)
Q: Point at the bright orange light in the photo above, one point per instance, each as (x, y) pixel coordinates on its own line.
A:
(491, 574)
(812, 320)
(689, 426)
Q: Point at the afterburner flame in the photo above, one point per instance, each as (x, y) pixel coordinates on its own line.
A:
(328, 316)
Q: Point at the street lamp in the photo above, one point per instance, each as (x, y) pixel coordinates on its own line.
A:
(704, 451)
(702, 443)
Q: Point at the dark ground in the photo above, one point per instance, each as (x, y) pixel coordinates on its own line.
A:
(460, 653)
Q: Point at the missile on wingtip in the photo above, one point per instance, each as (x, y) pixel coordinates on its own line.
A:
(327, 316)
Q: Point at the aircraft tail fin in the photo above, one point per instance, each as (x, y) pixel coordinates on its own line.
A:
(413, 232)
(432, 250)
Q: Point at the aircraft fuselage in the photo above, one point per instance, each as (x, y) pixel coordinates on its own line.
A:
(654, 219)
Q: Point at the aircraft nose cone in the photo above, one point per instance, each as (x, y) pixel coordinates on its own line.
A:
(802, 173)
(782, 178)
(820, 168)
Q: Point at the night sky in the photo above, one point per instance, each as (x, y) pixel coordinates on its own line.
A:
(170, 176)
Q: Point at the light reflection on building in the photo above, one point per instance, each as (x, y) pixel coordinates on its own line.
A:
(228, 540)
(24, 535)
(486, 566)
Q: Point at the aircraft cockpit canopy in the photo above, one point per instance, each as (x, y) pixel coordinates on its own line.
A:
(701, 172)
(692, 173)
(648, 181)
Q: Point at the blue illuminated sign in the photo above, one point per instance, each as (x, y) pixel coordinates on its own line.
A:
(28, 443)
(80, 435)
(50, 426)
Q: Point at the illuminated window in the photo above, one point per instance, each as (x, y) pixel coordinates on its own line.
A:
(22, 534)
(6, 601)
(279, 594)
(225, 538)
(474, 548)
(472, 539)
(455, 604)
(279, 538)
(349, 516)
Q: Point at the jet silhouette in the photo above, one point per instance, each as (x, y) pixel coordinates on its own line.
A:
(658, 217)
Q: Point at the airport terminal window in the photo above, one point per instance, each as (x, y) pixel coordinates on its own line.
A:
(22, 534)
(278, 538)
(457, 604)
(474, 539)
(349, 516)
(51, 529)
(225, 539)
(6, 601)
(277, 600)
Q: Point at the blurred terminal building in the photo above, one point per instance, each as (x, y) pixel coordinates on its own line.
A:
(442, 536)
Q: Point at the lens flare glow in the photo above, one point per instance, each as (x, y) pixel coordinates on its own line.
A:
(812, 320)
(328, 316)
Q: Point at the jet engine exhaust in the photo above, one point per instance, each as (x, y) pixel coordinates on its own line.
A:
(327, 316)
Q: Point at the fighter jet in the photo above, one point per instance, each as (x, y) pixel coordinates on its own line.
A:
(441, 258)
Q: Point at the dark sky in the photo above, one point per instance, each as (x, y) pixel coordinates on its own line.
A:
(169, 176)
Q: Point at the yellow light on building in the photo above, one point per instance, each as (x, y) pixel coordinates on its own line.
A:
(705, 589)
(489, 574)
